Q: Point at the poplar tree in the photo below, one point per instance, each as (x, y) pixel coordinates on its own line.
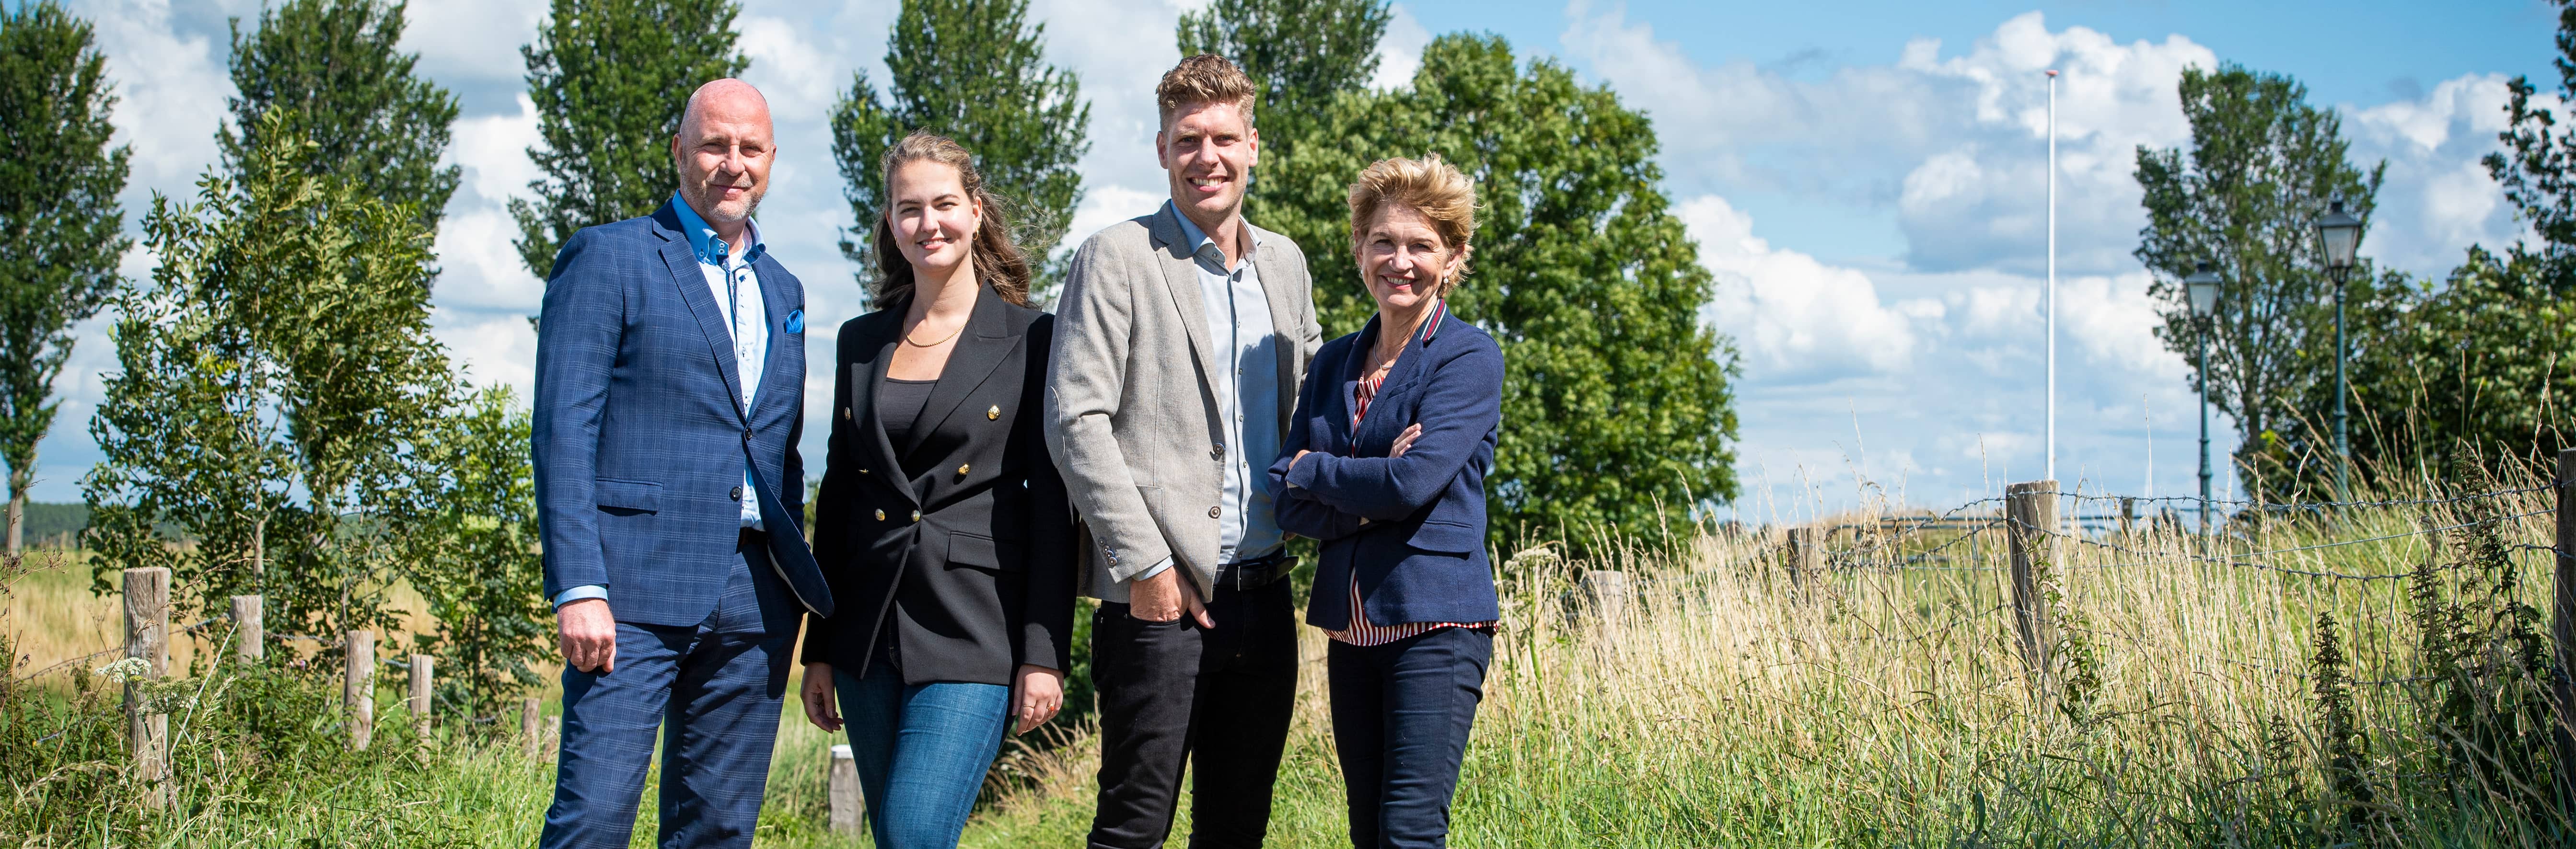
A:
(2245, 194)
(1302, 53)
(1618, 406)
(610, 79)
(334, 66)
(974, 71)
(60, 225)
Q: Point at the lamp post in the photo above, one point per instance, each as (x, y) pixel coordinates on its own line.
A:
(2202, 285)
(2341, 233)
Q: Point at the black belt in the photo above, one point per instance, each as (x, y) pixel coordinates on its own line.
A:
(1257, 572)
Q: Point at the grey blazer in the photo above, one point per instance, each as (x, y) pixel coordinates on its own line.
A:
(1130, 414)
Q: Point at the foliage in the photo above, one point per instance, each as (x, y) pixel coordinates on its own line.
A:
(1302, 54)
(336, 66)
(61, 230)
(2535, 166)
(277, 385)
(610, 79)
(2245, 195)
(974, 71)
(1617, 405)
(476, 563)
(2482, 367)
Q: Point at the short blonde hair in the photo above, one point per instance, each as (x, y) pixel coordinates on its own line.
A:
(1204, 78)
(1429, 186)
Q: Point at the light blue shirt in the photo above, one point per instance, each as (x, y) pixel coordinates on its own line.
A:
(1239, 332)
(736, 288)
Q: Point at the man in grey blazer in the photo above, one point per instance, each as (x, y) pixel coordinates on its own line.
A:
(1181, 337)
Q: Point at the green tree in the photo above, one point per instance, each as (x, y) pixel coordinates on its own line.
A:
(1617, 407)
(478, 568)
(610, 79)
(2481, 367)
(60, 226)
(974, 71)
(1302, 53)
(2245, 194)
(335, 65)
(277, 390)
(2534, 168)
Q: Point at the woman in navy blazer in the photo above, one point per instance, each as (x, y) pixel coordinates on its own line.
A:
(1385, 464)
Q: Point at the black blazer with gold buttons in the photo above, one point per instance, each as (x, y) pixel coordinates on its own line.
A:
(972, 558)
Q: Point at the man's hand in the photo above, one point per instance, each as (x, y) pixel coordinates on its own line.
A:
(1165, 597)
(588, 635)
(819, 697)
(1041, 695)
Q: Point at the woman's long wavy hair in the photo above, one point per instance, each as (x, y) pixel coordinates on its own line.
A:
(999, 264)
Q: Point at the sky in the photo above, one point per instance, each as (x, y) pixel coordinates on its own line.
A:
(1866, 181)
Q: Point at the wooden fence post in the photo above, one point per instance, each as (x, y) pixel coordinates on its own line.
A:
(250, 628)
(2031, 510)
(2128, 514)
(147, 636)
(421, 694)
(845, 791)
(1605, 595)
(1806, 556)
(359, 688)
(2563, 628)
(532, 735)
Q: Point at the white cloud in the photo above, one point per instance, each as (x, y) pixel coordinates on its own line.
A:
(2438, 199)
(1791, 313)
(1399, 52)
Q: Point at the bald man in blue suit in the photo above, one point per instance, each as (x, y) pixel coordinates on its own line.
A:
(670, 397)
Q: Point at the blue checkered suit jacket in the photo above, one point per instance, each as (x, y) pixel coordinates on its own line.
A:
(640, 434)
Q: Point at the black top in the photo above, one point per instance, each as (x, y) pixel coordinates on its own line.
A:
(952, 540)
(899, 404)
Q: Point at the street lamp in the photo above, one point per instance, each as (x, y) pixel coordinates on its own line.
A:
(2202, 285)
(2341, 235)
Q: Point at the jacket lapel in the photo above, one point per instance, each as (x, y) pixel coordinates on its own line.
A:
(866, 377)
(1181, 277)
(1285, 320)
(702, 302)
(978, 354)
(776, 302)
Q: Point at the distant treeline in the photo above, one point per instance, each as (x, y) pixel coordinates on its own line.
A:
(46, 520)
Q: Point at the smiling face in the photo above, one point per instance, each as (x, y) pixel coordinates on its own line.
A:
(1208, 150)
(1403, 259)
(724, 150)
(933, 217)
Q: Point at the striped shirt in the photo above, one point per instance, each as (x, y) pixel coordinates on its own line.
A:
(1361, 631)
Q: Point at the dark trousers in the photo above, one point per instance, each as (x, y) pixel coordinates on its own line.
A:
(711, 692)
(1160, 683)
(1401, 712)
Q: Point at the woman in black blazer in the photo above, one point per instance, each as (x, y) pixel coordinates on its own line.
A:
(942, 525)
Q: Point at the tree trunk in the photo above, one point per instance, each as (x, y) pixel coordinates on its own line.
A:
(20, 477)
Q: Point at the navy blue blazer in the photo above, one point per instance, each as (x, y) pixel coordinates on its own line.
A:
(639, 433)
(1420, 554)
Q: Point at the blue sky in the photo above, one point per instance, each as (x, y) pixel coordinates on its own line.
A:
(1865, 181)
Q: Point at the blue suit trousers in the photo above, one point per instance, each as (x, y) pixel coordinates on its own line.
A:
(712, 692)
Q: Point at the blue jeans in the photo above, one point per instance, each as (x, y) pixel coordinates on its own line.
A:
(921, 750)
(1401, 714)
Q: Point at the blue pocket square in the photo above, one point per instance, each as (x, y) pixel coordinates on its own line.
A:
(796, 321)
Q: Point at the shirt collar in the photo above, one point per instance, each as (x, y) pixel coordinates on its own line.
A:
(702, 236)
(1201, 241)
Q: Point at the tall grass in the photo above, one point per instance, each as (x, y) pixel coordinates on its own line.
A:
(2359, 676)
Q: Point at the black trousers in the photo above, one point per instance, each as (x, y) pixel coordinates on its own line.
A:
(1401, 712)
(1160, 683)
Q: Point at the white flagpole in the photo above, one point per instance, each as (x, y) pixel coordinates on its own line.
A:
(2052, 276)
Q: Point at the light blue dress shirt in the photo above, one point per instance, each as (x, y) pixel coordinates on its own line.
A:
(1239, 331)
(736, 288)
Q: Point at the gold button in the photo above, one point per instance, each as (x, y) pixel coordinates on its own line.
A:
(863, 471)
(916, 515)
(880, 515)
(1212, 511)
(961, 468)
(845, 414)
(994, 413)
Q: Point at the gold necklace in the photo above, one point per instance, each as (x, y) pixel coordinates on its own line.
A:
(961, 328)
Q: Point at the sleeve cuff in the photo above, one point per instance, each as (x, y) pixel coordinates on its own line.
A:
(581, 592)
(1151, 571)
